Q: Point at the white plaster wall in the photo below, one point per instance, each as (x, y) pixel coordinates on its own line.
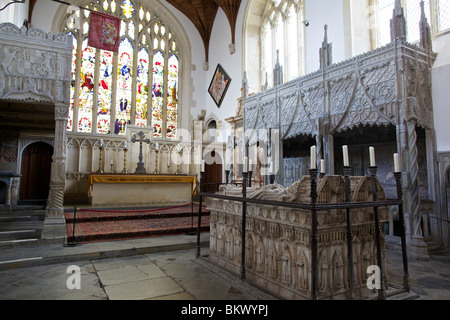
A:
(319, 13)
(232, 63)
(198, 58)
(14, 13)
(43, 13)
(441, 91)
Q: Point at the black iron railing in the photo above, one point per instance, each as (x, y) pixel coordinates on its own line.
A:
(313, 206)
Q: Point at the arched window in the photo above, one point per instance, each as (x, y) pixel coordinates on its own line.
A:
(282, 31)
(436, 11)
(137, 85)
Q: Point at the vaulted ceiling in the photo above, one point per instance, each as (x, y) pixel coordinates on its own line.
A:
(202, 13)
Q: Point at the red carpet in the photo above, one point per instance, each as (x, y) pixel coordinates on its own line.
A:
(106, 225)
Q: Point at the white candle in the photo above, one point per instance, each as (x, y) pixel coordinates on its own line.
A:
(250, 165)
(203, 165)
(313, 157)
(345, 153)
(322, 166)
(372, 156)
(271, 167)
(111, 162)
(396, 163)
(101, 143)
(126, 144)
(157, 146)
(245, 164)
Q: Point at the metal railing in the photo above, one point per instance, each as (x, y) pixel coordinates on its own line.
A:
(313, 206)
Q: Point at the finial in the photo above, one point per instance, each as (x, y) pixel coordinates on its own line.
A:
(398, 9)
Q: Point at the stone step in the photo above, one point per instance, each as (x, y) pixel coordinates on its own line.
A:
(86, 215)
(19, 234)
(94, 231)
(435, 246)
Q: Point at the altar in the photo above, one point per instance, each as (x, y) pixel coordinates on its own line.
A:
(140, 189)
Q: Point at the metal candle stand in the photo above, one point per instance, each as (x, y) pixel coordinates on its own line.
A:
(125, 160)
(202, 179)
(373, 174)
(244, 214)
(351, 291)
(100, 160)
(156, 162)
(271, 179)
(314, 236)
(406, 283)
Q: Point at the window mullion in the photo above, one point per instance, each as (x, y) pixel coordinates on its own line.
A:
(150, 84)
(434, 16)
(95, 99)
(135, 43)
(76, 100)
(166, 87)
(114, 93)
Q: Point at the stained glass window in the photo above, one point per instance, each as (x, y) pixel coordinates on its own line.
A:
(124, 86)
(172, 96)
(104, 92)
(86, 96)
(142, 88)
(72, 82)
(157, 93)
(110, 90)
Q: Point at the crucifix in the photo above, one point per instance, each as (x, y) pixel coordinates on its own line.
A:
(140, 165)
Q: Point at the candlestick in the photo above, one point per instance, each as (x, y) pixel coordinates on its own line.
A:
(372, 156)
(100, 158)
(345, 153)
(125, 160)
(396, 163)
(313, 157)
(322, 166)
(156, 162)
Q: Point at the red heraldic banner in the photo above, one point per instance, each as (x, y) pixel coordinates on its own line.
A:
(104, 32)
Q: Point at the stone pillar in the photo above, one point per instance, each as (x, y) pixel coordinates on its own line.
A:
(8, 196)
(418, 247)
(54, 224)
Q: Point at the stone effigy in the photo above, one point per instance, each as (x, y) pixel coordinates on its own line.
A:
(278, 239)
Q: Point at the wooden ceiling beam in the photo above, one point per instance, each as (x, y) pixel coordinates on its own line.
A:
(202, 14)
(231, 9)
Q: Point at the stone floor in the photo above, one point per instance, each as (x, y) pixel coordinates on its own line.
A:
(177, 275)
(162, 268)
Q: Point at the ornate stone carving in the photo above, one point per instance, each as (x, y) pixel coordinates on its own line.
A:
(8, 154)
(278, 239)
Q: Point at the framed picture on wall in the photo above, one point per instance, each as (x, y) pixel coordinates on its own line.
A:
(219, 85)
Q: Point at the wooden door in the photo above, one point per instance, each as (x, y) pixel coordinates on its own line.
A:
(35, 171)
(213, 175)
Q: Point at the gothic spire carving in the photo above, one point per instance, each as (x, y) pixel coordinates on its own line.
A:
(398, 23)
(425, 31)
(326, 57)
(278, 72)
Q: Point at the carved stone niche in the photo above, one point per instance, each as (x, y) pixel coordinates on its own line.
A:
(278, 239)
